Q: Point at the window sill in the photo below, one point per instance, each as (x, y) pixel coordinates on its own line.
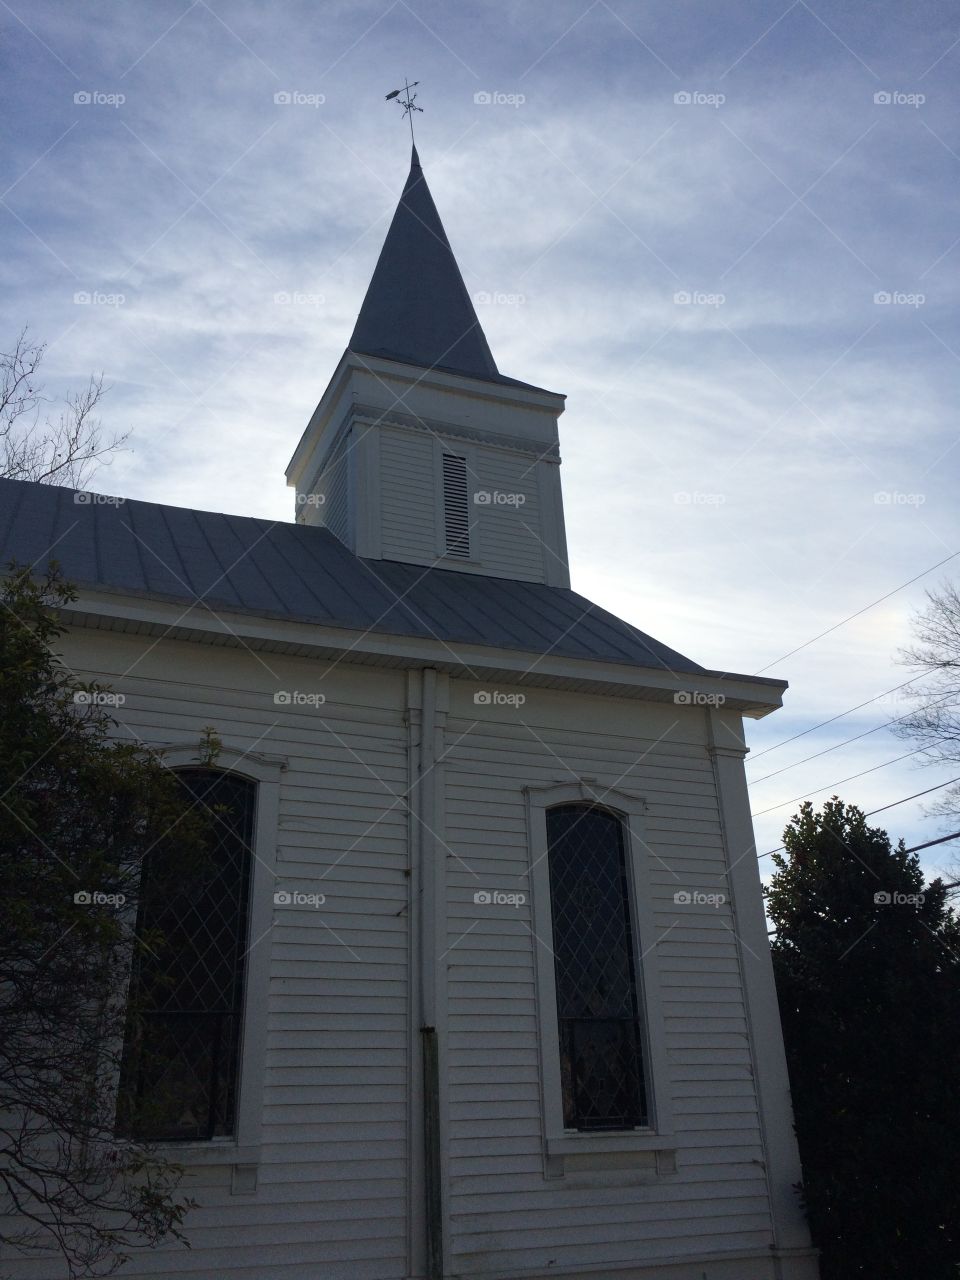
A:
(572, 1144)
(215, 1152)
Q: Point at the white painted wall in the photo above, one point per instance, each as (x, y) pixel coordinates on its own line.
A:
(334, 1199)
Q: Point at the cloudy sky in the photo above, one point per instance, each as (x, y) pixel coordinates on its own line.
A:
(728, 233)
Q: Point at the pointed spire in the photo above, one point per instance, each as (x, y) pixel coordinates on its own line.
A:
(417, 308)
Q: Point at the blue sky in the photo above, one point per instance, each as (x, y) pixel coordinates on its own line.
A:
(742, 471)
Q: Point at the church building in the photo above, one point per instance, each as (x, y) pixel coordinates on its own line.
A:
(486, 991)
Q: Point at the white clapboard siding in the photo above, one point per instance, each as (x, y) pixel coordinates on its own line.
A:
(510, 532)
(408, 496)
(331, 1199)
(512, 1219)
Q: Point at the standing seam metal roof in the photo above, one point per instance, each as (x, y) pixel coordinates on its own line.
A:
(302, 573)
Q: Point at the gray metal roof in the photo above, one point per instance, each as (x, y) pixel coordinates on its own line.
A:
(417, 308)
(301, 573)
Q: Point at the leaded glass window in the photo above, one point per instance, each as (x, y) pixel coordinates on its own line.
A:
(181, 1057)
(601, 1057)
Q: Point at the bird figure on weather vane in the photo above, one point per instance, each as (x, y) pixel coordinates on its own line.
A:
(407, 100)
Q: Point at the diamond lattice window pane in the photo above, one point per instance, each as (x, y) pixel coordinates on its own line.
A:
(597, 1005)
(181, 1055)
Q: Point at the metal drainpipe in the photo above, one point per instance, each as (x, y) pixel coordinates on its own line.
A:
(433, 1178)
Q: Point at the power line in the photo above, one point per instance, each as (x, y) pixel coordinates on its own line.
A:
(837, 745)
(865, 609)
(930, 843)
(913, 797)
(839, 716)
(893, 805)
(839, 782)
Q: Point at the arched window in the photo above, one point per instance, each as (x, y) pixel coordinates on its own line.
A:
(598, 1012)
(182, 1052)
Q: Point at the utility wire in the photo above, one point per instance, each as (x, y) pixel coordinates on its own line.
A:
(837, 745)
(830, 785)
(806, 644)
(893, 805)
(813, 728)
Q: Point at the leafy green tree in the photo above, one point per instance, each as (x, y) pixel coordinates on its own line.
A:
(79, 811)
(867, 961)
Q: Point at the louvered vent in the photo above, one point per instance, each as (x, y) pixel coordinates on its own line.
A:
(456, 507)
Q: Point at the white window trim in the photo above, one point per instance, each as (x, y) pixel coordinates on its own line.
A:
(460, 450)
(558, 1140)
(244, 1147)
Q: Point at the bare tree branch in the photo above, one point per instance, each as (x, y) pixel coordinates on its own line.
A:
(36, 443)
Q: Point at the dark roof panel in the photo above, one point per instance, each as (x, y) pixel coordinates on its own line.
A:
(417, 308)
(276, 569)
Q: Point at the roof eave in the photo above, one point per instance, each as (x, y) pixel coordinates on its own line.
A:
(752, 696)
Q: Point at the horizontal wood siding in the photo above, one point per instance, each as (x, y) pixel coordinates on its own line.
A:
(505, 1214)
(408, 496)
(510, 534)
(331, 1195)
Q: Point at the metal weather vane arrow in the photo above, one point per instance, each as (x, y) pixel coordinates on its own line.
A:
(407, 100)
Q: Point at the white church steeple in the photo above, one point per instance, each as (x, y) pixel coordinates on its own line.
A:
(420, 449)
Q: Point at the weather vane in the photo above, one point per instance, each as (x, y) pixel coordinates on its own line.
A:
(407, 100)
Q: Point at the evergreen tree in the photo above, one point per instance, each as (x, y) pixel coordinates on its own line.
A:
(867, 961)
